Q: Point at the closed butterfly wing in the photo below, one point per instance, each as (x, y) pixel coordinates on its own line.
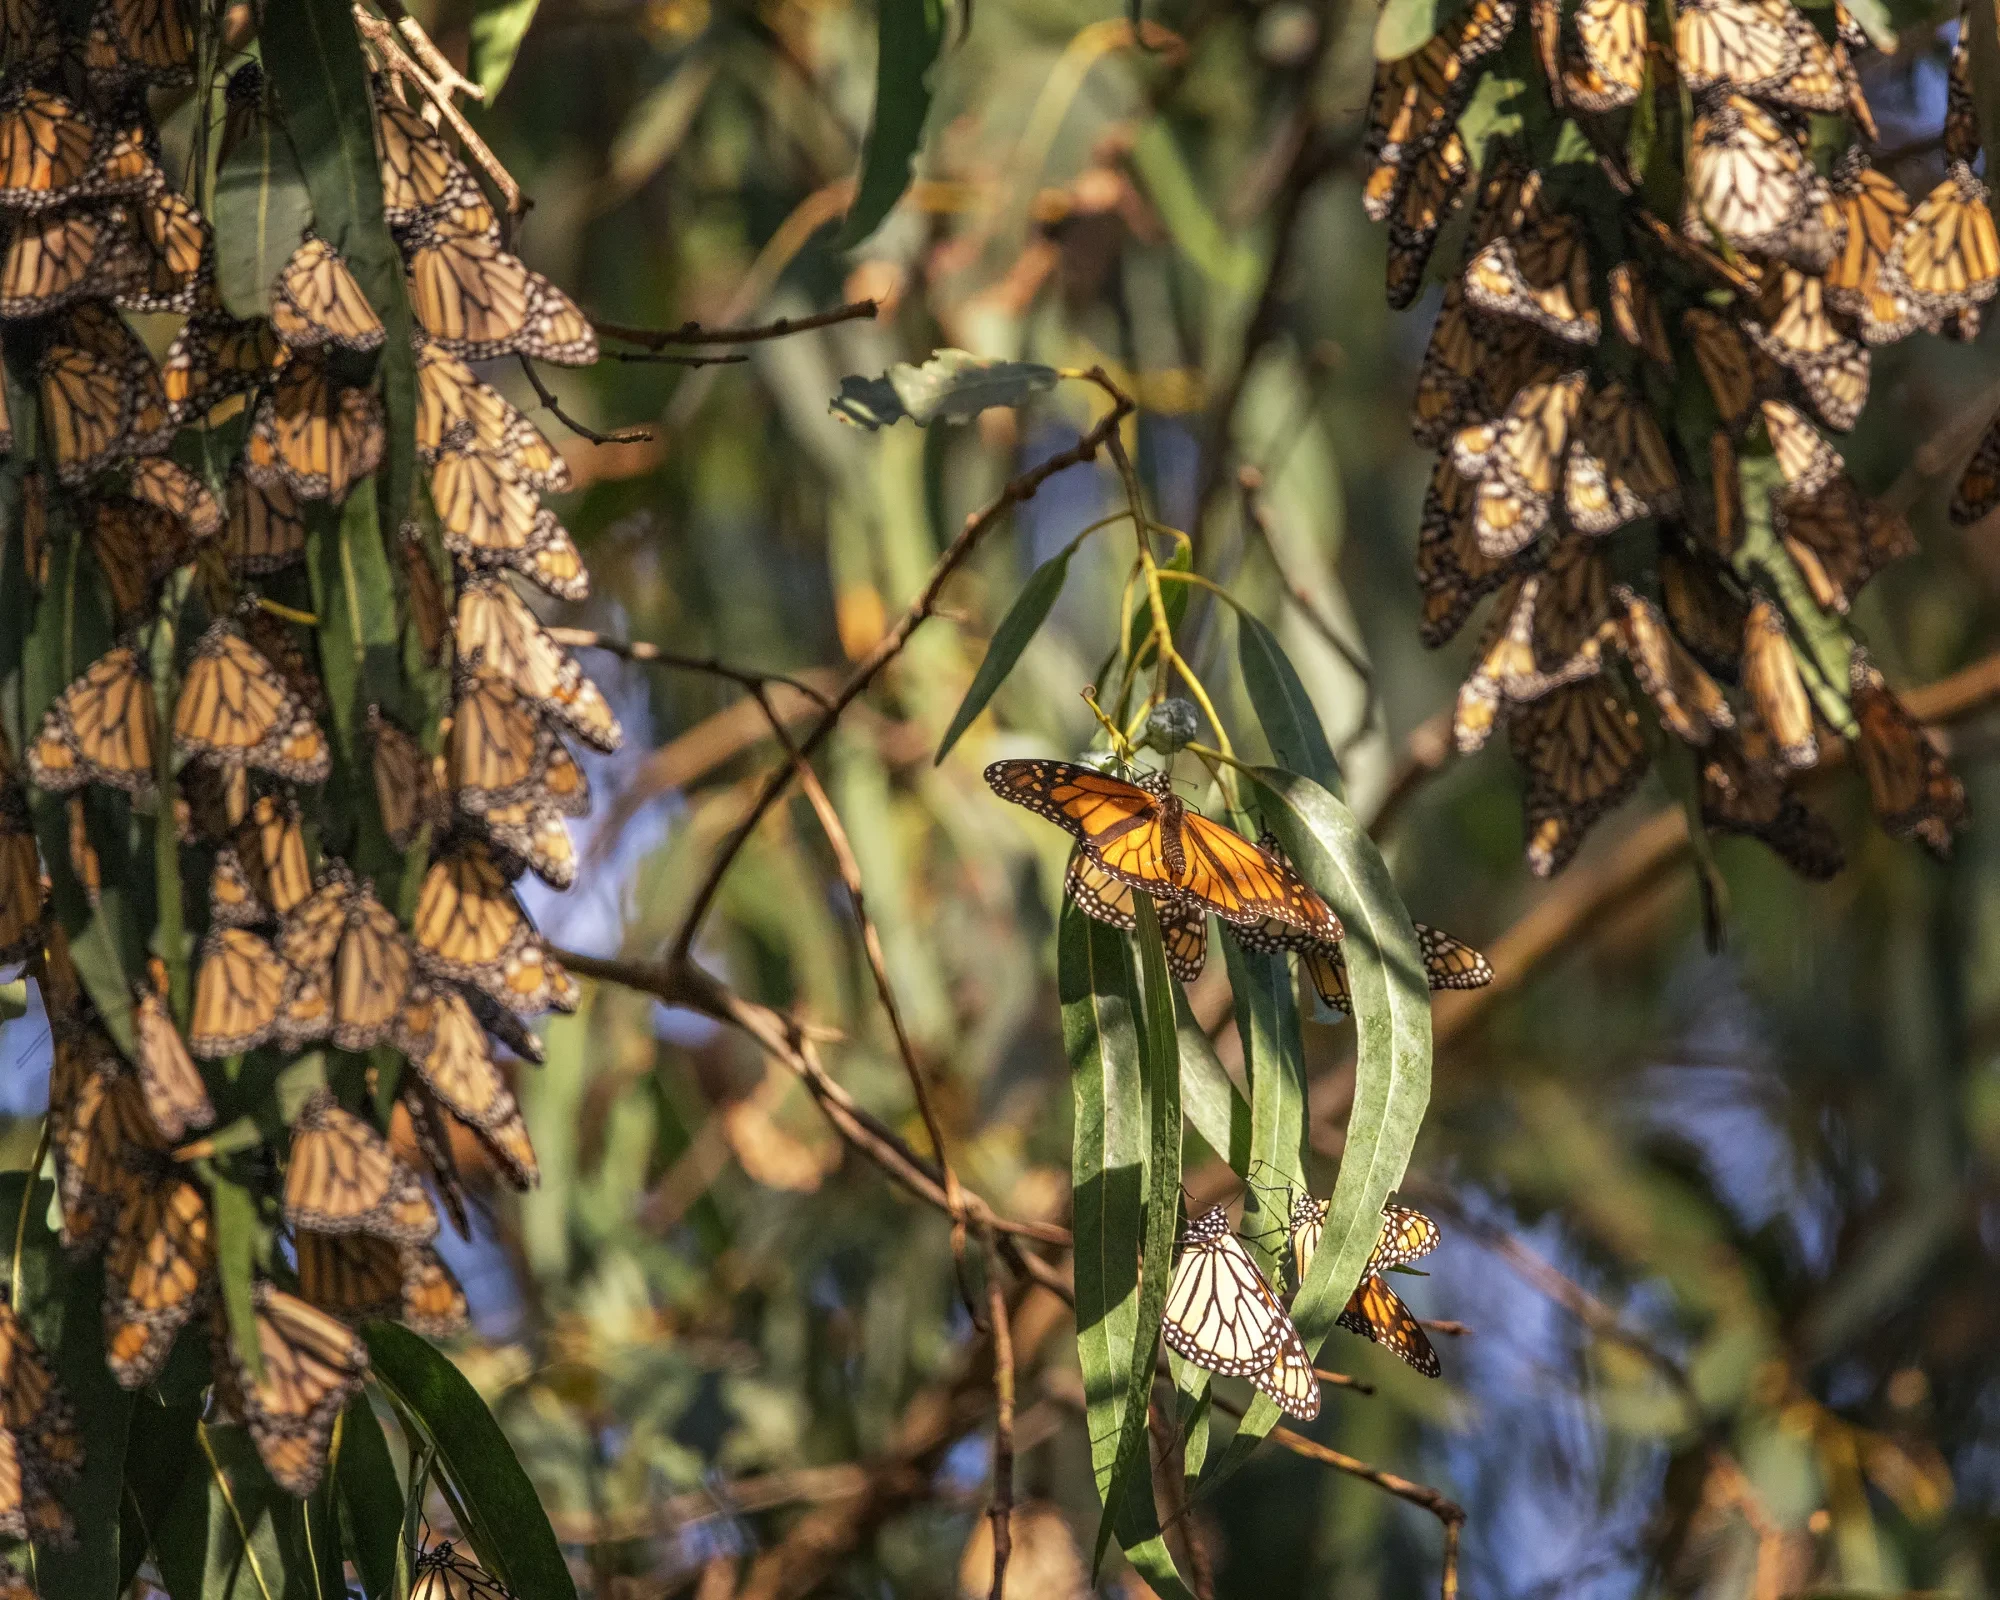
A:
(1221, 1315)
(1619, 467)
(314, 434)
(418, 168)
(1377, 1312)
(100, 729)
(1183, 928)
(175, 1094)
(496, 629)
(1690, 703)
(1517, 461)
(1945, 259)
(1635, 313)
(1873, 209)
(470, 929)
(359, 1278)
(490, 516)
(1539, 274)
(1774, 685)
(157, 1271)
(1751, 182)
(47, 150)
(342, 1177)
(475, 300)
(1914, 792)
(266, 530)
(405, 782)
(213, 358)
(1840, 538)
(312, 1366)
(371, 974)
(448, 395)
(171, 488)
(235, 709)
(316, 301)
(448, 1050)
(1432, 191)
(1453, 570)
(56, 257)
(1583, 753)
(1745, 790)
(1808, 462)
(1611, 47)
(1795, 328)
(240, 987)
(20, 877)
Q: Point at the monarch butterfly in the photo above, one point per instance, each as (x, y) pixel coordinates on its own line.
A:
(1978, 490)
(424, 594)
(430, 1132)
(1538, 272)
(175, 1094)
(100, 729)
(169, 486)
(1775, 686)
(83, 859)
(20, 877)
(470, 929)
(1611, 36)
(406, 790)
(214, 357)
(1737, 373)
(56, 257)
(1183, 927)
(156, 1269)
(1517, 461)
(1690, 703)
(46, 151)
(235, 709)
(313, 1366)
(1411, 105)
(169, 247)
(239, 987)
(1760, 48)
(266, 530)
(1750, 181)
(1961, 117)
(444, 1574)
(102, 397)
(475, 300)
(1143, 834)
(496, 628)
(1222, 1316)
(1453, 572)
(352, 948)
(1840, 538)
(1726, 483)
(447, 1049)
(498, 753)
(448, 394)
(1449, 963)
(1808, 462)
(1619, 468)
(1374, 1310)
(272, 850)
(1636, 314)
(1914, 793)
(315, 301)
(1946, 256)
(1745, 791)
(1583, 753)
(417, 166)
(39, 1442)
(145, 39)
(1522, 659)
(136, 545)
(312, 433)
(342, 1177)
(1434, 186)
(1797, 332)
(359, 1278)
(105, 1137)
(1705, 613)
(1472, 368)
(491, 517)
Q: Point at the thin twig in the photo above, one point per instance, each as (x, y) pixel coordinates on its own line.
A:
(1448, 1511)
(1257, 516)
(653, 655)
(543, 393)
(1002, 1509)
(669, 360)
(1341, 1380)
(1018, 489)
(1445, 1326)
(695, 333)
(878, 965)
(788, 1042)
(399, 63)
(448, 78)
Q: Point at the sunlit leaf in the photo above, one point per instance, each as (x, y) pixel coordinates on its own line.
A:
(908, 33)
(498, 27)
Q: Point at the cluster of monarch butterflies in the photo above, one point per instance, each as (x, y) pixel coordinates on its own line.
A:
(201, 576)
(1550, 368)
(1142, 838)
(1223, 1315)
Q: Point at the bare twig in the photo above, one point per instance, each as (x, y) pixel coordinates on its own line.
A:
(437, 90)
(695, 333)
(659, 358)
(878, 965)
(448, 78)
(1002, 1509)
(1018, 489)
(1341, 1380)
(548, 399)
(652, 654)
(1445, 1326)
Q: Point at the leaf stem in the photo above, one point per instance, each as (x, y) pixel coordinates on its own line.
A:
(42, 1141)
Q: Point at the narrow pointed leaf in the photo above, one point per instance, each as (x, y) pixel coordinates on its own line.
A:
(908, 33)
(1023, 620)
(1290, 721)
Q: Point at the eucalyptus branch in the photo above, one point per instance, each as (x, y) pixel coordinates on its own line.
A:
(653, 655)
(548, 399)
(695, 333)
(435, 88)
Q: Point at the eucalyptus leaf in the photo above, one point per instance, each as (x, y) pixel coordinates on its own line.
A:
(1267, 1021)
(908, 34)
(371, 1504)
(161, 1453)
(1403, 27)
(262, 210)
(498, 27)
(220, 1537)
(1215, 1107)
(952, 386)
(1023, 620)
(1290, 721)
(236, 1240)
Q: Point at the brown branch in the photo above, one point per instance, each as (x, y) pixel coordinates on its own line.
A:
(1429, 747)
(669, 359)
(695, 333)
(789, 1043)
(1341, 1380)
(436, 89)
(1002, 1509)
(1438, 1505)
(1018, 489)
(653, 655)
(548, 399)
(878, 965)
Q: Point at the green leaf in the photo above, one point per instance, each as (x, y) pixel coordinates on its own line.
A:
(953, 386)
(1215, 1107)
(1290, 721)
(365, 1476)
(160, 1453)
(1494, 112)
(1227, 256)
(908, 33)
(498, 27)
(220, 1538)
(13, 1000)
(262, 209)
(1267, 1021)
(313, 55)
(1403, 27)
(1023, 620)
(1880, 27)
(507, 1525)
(1173, 600)
(62, 1302)
(1128, 1504)
(235, 1210)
